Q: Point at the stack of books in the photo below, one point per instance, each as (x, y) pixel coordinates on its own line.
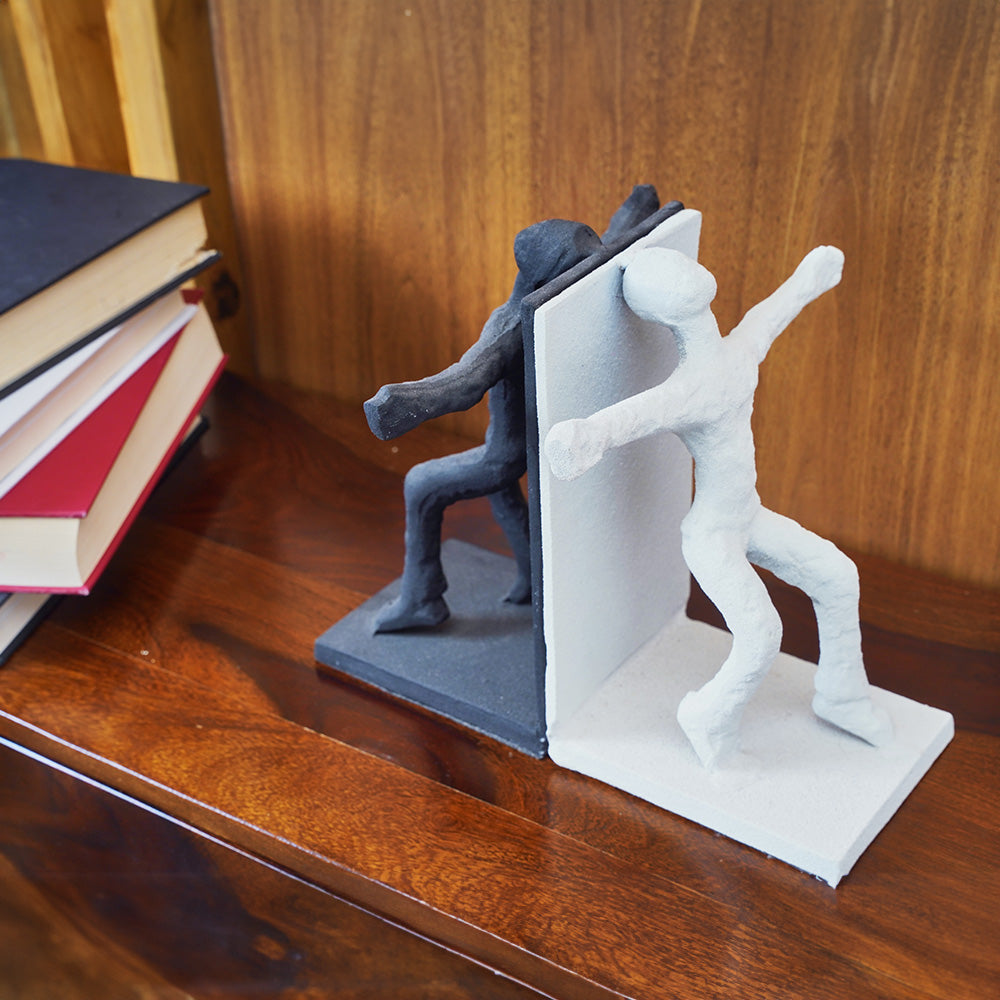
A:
(106, 357)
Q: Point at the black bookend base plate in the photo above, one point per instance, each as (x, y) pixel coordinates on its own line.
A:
(478, 668)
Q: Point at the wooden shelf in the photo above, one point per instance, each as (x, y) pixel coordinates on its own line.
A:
(187, 790)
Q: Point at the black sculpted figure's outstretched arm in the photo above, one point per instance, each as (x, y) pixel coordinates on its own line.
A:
(401, 406)
(543, 252)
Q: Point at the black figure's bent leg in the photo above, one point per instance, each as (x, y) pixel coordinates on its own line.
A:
(429, 489)
(420, 603)
(511, 513)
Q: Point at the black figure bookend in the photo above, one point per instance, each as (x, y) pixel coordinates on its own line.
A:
(475, 661)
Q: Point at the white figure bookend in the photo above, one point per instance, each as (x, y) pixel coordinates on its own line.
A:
(707, 401)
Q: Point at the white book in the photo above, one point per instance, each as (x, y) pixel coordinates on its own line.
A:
(42, 413)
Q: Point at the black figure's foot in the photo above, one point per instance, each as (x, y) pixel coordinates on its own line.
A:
(400, 615)
(520, 593)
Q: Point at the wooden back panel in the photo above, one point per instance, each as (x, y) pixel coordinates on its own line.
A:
(383, 154)
(126, 86)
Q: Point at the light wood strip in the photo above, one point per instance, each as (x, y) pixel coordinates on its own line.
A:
(135, 48)
(36, 53)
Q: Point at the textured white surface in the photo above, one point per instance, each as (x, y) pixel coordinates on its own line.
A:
(620, 653)
(707, 401)
(798, 790)
(612, 568)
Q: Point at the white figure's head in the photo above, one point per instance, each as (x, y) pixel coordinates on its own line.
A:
(667, 286)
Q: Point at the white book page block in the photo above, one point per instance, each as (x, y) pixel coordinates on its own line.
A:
(19, 403)
(612, 570)
(799, 790)
(117, 355)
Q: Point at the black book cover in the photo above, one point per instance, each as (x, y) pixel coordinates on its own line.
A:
(55, 219)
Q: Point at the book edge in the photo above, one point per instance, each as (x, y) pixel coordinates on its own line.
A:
(203, 261)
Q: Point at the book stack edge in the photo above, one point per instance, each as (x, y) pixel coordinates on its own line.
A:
(106, 358)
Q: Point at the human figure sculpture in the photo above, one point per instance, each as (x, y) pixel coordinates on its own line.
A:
(494, 364)
(707, 401)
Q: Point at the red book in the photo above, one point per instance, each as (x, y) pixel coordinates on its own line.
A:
(38, 417)
(66, 482)
(65, 553)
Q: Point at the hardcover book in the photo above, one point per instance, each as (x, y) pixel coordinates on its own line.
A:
(66, 482)
(19, 613)
(41, 414)
(81, 251)
(62, 545)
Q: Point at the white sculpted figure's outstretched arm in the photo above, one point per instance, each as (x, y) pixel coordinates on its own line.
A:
(574, 446)
(818, 272)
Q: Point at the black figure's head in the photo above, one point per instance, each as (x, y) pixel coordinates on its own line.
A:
(547, 249)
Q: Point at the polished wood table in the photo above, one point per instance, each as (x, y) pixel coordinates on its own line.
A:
(192, 807)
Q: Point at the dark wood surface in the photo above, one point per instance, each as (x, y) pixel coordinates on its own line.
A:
(191, 795)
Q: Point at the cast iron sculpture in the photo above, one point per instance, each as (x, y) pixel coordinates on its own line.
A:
(494, 365)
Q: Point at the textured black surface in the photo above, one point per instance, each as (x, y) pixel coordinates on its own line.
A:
(477, 668)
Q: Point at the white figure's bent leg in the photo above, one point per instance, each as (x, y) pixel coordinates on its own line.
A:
(830, 579)
(710, 716)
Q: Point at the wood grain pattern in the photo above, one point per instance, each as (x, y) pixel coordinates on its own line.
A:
(82, 62)
(209, 920)
(39, 66)
(383, 154)
(43, 954)
(482, 880)
(195, 117)
(142, 95)
(19, 134)
(186, 682)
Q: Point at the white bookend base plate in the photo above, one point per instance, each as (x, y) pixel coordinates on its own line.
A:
(799, 789)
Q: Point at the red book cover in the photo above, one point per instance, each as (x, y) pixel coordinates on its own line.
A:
(151, 484)
(66, 481)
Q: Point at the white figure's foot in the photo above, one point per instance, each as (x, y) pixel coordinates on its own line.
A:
(707, 731)
(860, 717)
(398, 615)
